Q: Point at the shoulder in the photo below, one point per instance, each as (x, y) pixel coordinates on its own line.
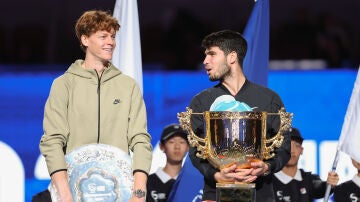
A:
(205, 98)
(153, 179)
(60, 82)
(305, 173)
(260, 90)
(208, 91)
(114, 72)
(261, 97)
(345, 186)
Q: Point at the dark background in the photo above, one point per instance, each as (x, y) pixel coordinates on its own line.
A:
(42, 31)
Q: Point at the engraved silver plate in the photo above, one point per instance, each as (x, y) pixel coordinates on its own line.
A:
(99, 172)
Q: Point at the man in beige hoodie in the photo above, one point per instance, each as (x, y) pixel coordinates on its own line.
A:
(94, 103)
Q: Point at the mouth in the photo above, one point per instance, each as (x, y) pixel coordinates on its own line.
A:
(109, 50)
(208, 70)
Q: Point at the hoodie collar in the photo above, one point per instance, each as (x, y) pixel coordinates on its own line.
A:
(108, 73)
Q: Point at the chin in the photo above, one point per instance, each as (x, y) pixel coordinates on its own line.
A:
(212, 78)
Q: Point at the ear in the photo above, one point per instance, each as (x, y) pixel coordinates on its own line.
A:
(162, 147)
(302, 150)
(84, 40)
(232, 57)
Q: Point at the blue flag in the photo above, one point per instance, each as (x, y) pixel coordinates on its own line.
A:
(189, 184)
(256, 33)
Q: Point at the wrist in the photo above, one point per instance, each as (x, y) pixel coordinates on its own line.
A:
(268, 170)
(139, 193)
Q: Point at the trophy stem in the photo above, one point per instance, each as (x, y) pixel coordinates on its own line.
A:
(244, 192)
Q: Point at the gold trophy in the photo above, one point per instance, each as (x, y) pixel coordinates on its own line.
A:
(235, 138)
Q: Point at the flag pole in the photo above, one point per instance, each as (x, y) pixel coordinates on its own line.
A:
(349, 132)
(333, 169)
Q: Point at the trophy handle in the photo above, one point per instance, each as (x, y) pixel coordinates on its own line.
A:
(194, 140)
(277, 140)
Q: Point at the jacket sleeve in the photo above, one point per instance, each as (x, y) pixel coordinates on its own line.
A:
(282, 154)
(139, 139)
(203, 165)
(55, 126)
(318, 187)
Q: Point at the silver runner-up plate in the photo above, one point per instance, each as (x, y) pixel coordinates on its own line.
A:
(98, 173)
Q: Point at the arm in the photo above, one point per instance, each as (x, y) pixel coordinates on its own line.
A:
(197, 123)
(56, 128)
(319, 186)
(203, 166)
(282, 154)
(332, 179)
(53, 141)
(60, 180)
(140, 180)
(139, 142)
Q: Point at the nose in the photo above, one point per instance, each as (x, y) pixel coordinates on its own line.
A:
(205, 60)
(111, 40)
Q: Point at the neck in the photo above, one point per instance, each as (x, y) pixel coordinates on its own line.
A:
(234, 83)
(97, 65)
(172, 169)
(290, 170)
(235, 80)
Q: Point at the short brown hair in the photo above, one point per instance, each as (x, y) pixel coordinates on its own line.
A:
(93, 21)
(228, 41)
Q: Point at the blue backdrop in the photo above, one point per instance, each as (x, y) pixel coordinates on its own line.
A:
(318, 100)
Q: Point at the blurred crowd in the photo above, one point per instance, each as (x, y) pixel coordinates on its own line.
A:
(173, 43)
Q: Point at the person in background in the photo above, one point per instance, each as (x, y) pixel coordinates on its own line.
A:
(175, 145)
(95, 103)
(349, 191)
(294, 184)
(224, 55)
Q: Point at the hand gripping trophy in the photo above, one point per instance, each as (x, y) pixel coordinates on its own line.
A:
(235, 137)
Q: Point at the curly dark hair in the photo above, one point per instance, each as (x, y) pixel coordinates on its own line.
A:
(228, 41)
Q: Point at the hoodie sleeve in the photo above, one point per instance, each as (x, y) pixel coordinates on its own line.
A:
(55, 126)
(138, 137)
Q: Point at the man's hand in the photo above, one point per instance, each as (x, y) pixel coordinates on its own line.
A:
(233, 174)
(332, 178)
(136, 199)
(260, 168)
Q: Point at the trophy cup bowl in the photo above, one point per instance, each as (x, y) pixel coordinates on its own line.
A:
(235, 137)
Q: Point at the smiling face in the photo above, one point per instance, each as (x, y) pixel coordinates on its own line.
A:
(216, 65)
(100, 45)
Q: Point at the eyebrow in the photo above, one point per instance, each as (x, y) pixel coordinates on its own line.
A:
(210, 52)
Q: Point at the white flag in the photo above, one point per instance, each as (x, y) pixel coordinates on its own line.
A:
(349, 141)
(127, 53)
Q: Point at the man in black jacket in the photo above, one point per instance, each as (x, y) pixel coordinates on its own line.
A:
(224, 54)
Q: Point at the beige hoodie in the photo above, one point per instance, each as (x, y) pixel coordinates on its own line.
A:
(83, 109)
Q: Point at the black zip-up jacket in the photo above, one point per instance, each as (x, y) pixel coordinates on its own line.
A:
(259, 98)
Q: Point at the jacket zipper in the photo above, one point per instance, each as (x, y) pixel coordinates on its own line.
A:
(98, 92)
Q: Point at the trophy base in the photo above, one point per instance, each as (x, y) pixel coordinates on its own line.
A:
(244, 192)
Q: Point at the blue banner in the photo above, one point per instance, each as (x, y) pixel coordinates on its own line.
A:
(256, 63)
